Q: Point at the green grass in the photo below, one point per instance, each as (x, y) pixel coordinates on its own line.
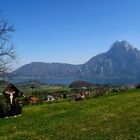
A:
(108, 117)
(44, 90)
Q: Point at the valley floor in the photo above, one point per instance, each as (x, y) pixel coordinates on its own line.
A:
(109, 117)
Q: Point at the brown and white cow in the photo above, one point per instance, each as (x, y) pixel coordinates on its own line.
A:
(79, 97)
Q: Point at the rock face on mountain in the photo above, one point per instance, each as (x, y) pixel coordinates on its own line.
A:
(122, 60)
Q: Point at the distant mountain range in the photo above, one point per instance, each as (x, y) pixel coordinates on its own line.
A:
(48, 70)
(121, 61)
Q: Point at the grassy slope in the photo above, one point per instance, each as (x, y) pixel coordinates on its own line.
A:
(115, 117)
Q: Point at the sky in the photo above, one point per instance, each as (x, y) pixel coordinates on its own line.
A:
(70, 31)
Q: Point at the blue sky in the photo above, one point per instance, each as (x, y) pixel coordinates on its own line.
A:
(70, 31)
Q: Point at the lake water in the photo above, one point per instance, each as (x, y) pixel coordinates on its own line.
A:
(68, 81)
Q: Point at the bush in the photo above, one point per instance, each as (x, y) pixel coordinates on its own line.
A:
(4, 107)
(138, 86)
(7, 109)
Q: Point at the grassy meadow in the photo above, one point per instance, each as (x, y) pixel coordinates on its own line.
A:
(115, 116)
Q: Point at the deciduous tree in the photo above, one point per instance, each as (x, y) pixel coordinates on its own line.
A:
(7, 51)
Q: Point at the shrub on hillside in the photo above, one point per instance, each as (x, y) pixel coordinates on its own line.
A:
(7, 109)
(4, 107)
(138, 86)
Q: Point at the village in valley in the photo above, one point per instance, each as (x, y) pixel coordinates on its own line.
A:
(65, 109)
(34, 92)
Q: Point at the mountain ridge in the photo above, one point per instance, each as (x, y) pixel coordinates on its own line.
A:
(122, 60)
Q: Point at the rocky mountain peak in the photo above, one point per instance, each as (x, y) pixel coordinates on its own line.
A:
(122, 45)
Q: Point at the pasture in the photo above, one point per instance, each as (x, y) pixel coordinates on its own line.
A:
(115, 116)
